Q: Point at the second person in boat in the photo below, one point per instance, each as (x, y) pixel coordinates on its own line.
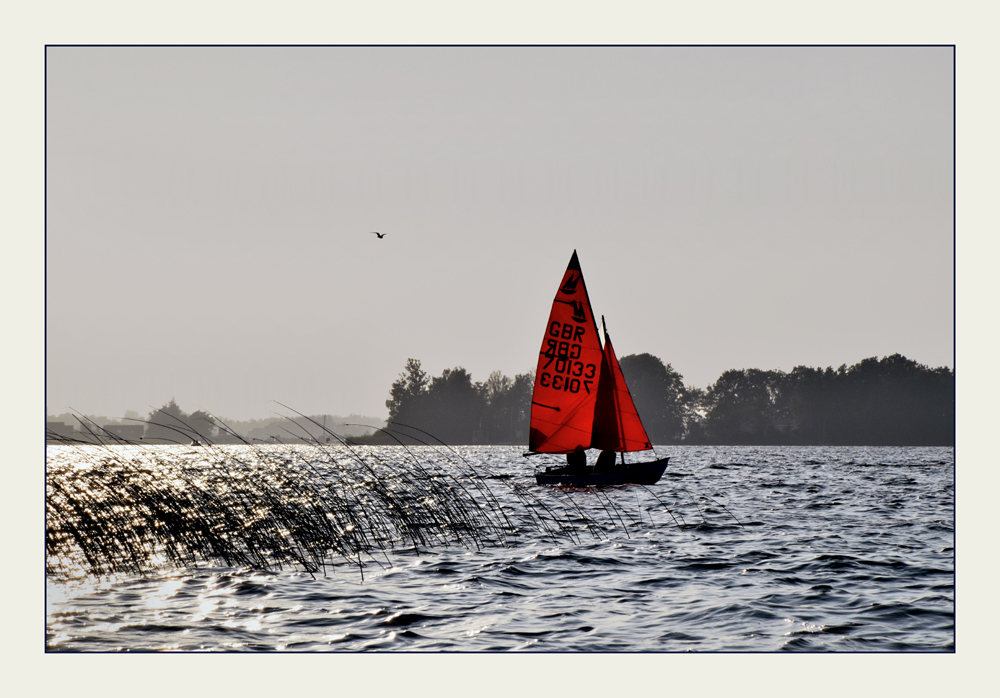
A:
(605, 462)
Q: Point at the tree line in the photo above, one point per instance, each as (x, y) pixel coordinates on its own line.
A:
(888, 401)
(458, 411)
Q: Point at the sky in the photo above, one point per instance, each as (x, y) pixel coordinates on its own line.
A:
(208, 214)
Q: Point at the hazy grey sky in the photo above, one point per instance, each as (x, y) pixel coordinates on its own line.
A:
(209, 208)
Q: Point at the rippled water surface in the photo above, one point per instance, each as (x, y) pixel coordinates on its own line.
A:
(735, 549)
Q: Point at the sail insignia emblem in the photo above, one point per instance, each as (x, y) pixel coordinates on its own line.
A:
(579, 315)
(569, 288)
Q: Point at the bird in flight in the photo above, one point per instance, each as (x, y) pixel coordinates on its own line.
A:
(380, 235)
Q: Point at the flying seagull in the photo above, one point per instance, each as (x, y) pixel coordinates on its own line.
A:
(380, 235)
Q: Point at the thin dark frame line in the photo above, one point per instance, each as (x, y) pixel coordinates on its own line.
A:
(45, 338)
(955, 361)
(952, 46)
(954, 346)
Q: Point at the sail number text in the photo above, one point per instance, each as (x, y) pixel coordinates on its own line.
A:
(562, 370)
(564, 330)
(564, 382)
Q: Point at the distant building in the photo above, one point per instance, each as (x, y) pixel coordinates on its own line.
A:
(57, 431)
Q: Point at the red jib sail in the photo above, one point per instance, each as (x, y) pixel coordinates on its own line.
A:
(568, 371)
(617, 426)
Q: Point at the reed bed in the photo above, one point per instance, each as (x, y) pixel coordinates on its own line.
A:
(116, 508)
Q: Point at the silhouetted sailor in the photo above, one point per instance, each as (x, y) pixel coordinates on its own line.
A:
(605, 462)
(577, 460)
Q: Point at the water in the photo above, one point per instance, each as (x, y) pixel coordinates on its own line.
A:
(753, 549)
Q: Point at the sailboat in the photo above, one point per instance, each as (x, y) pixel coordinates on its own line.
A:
(580, 399)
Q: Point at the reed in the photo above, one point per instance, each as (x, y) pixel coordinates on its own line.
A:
(115, 508)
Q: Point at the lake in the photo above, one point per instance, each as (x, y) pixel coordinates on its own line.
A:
(747, 549)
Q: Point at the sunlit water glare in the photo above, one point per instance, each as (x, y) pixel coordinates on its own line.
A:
(781, 548)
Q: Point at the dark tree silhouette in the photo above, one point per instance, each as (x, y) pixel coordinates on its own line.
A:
(659, 396)
(166, 425)
(458, 411)
(747, 406)
(408, 393)
(202, 424)
(892, 401)
(449, 406)
(455, 407)
(507, 406)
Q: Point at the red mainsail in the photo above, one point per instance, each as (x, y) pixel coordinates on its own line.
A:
(580, 398)
(617, 426)
(568, 371)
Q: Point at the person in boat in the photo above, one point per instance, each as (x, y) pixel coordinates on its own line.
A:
(605, 462)
(576, 460)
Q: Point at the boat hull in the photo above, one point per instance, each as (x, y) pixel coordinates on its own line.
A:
(647, 473)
